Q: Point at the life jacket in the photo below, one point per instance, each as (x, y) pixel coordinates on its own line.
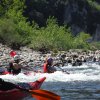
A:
(45, 70)
(48, 69)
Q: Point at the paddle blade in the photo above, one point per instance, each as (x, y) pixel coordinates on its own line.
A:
(44, 95)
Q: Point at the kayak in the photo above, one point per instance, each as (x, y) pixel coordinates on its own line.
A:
(17, 94)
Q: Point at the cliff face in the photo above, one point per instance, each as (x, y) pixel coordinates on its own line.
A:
(82, 15)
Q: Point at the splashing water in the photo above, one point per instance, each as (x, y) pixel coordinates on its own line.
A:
(82, 83)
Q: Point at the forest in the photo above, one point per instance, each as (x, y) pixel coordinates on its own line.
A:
(44, 24)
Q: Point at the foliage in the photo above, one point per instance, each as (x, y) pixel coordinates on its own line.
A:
(15, 23)
(94, 4)
(15, 30)
(52, 36)
(80, 41)
(8, 33)
(12, 8)
(95, 45)
(16, 34)
(58, 37)
(40, 10)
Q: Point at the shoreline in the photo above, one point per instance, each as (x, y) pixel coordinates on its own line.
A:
(72, 56)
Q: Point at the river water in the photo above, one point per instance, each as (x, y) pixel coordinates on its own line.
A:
(83, 82)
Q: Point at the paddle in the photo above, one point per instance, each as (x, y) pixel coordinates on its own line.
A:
(57, 65)
(63, 70)
(44, 95)
(41, 94)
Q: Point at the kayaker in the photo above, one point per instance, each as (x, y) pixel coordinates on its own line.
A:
(3, 71)
(48, 66)
(15, 65)
(4, 86)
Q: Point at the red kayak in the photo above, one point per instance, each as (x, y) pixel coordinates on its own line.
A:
(17, 94)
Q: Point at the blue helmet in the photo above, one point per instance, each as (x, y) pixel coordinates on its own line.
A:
(50, 60)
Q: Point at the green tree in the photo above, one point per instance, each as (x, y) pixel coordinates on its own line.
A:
(52, 37)
(80, 41)
(8, 33)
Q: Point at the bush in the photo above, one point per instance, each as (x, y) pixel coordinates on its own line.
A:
(80, 41)
(8, 33)
(95, 45)
(14, 35)
(52, 37)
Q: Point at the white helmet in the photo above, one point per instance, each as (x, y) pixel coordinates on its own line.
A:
(16, 57)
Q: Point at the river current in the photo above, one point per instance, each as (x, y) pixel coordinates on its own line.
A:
(83, 82)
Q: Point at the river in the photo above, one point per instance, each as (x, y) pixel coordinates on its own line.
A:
(83, 82)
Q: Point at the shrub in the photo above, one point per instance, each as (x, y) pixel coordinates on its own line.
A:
(8, 33)
(52, 36)
(80, 41)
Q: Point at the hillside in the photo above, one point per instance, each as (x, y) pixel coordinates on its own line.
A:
(49, 24)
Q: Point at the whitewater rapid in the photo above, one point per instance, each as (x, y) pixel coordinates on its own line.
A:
(86, 72)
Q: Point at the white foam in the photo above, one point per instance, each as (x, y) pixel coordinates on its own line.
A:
(88, 73)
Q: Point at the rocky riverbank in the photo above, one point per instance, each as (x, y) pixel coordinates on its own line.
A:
(33, 58)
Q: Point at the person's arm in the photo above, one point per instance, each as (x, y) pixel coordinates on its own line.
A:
(23, 61)
(56, 64)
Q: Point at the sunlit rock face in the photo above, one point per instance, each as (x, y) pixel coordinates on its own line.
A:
(81, 16)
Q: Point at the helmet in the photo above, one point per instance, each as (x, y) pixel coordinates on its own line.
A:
(16, 57)
(50, 60)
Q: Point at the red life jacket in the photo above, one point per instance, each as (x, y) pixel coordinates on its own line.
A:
(45, 68)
